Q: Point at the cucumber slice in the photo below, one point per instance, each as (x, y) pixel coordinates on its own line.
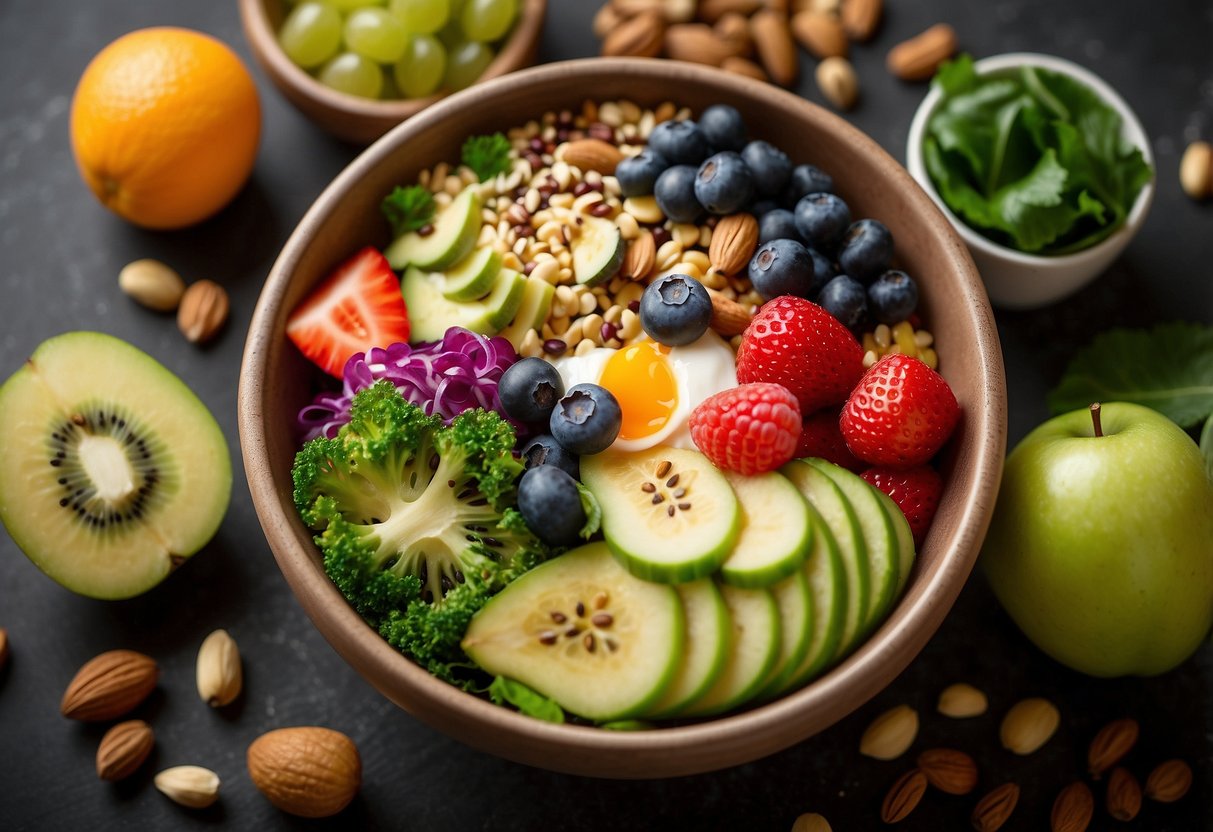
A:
(775, 531)
(532, 312)
(668, 513)
(454, 233)
(879, 539)
(840, 519)
(472, 277)
(754, 651)
(431, 314)
(582, 631)
(795, 603)
(708, 631)
(597, 251)
(905, 540)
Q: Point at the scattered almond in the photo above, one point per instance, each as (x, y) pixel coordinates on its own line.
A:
(949, 770)
(960, 701)
(838, 83)
(729, 317)
(152, 284)
(1196, 170)
(592, 154)
(1124, 795)
(891, 734)
(641, 256)
(1169, 781)
(1073, 809)
(203, 311)
(711, 11)
(309, 772)
(745, 67)
(860, 18)
(820, 34)
(217, 670)
(774, 45)
(903, 796)
(733, 243)
(697, 43)
(917, 59)
(123, 749)
(194, 787)
(637, 37)
(3, 647)
(734, 30)
(1110, 745)
(993, 810)
(1029, 725)
(109, 685)
(811, 822)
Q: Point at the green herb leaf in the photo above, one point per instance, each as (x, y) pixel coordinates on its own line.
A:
(506, 691)
(407, 209)
(1206, 446)
(593, 512)
(1168, 368)
(487, 155)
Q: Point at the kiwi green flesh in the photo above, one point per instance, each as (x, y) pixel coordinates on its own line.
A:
(112, 472)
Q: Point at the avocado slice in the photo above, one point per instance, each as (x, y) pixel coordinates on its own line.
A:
(472, 277)
(532, 312)
(453, 234)
(431, 314)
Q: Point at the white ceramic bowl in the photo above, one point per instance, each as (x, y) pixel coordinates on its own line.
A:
(1015, 280)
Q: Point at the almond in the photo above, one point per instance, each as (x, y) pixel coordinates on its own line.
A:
(812, 822)
(194, 787)
(1110, 745)
(837, 81)
(820, 34)
(217, 671)
(775, 47)
(993, 810)
(917, 59)
(1169, 781)
(640, 257)
(637, 37)
(109, 685)
(733, 243)
(960, 701)
(891, 734)
(592, 154)
(1028, 725)
(949, 770)
(3, 647)
(203, 311)
(605, 20)
(697, 43)
(674, 11)
(1073, 809)
(123, 749)
(711, 11)
(1196, 170)
(860, 18)
(734, 30)
(152, 284)
(729, 317)
(309, 772)
(1124, 795)
(903, 796)
(745, 67)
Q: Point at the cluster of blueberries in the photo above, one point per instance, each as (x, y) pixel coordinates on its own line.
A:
(808, 244)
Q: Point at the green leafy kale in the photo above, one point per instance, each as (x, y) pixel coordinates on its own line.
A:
(505, 691)
(1033, 159)
(1168, 368)
(407, 209)
(487, 155)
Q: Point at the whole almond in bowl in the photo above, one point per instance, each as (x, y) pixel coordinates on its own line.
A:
(310, 772)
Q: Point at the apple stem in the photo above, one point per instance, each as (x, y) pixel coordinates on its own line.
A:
(1095, 419)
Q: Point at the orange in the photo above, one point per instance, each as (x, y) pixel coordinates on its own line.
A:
(165, 124)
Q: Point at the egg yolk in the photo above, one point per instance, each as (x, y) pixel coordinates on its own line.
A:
(641, 378)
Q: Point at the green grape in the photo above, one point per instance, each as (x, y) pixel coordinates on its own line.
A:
(421, 17)
(349, 5)
(311, 34)
(488, 20)
(465, 63)
(376, 34)
(353, 74)
(420, 71)
(390, 90)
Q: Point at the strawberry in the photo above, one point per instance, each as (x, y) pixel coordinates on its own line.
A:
(748, 429)
(357, 307)
(899, 414)
(793, 342)
(915, 490)
(820, 437)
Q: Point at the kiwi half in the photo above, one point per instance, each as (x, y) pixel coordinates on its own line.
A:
(112, 472)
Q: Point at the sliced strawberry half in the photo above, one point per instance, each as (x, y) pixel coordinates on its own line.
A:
(357, 307)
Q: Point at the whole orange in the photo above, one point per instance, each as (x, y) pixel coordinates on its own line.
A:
(165, 124)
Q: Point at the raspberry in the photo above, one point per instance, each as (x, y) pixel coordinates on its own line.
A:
(915, 490)
(899, 414)
(749, 429)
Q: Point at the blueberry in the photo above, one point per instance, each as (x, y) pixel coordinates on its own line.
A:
(723, 184)
(761, 207)
(777, 224)
(844, 298)
(675, 310)
(723, 126)
(550, 503)
(822, 220)
(637, 174)
(675, 193)
(867, 248)
(770, 166)
(529, 389)
(893, 297)
(682, 142)
(784, 267)
(805, 180)
(545, 450)
(586, 420)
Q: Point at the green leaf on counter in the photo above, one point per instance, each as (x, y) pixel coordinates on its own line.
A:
(1168, 368)
(530, 702)
(1206, 446)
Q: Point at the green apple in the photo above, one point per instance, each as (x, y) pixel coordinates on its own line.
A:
(1101, 546)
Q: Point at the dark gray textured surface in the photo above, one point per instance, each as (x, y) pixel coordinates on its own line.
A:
(59, 257)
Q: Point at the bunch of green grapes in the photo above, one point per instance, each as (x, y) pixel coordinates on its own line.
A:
(395, 48)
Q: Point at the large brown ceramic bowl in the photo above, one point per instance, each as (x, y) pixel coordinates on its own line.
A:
(362, 120)
(275, 382)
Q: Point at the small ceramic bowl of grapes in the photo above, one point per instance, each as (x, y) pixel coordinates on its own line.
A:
(357, 68)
